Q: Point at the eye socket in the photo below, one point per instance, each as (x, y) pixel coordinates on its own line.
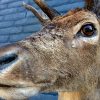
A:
(88, 30)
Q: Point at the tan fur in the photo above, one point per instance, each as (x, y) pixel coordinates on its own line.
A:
(48, 62)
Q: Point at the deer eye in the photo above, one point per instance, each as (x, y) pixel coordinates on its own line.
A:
(88, 30)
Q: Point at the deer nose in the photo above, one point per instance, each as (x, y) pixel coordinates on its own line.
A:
(7, 59)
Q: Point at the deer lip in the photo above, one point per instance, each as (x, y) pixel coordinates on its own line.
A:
(11, 86)
(3, 85)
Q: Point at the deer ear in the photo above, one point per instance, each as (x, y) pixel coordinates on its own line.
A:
(93, 5)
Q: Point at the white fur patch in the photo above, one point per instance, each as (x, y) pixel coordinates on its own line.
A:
(79, 42)
(27, 92)
(18, 93)
(91, 40)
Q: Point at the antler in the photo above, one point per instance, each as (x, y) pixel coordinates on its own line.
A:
(89, 4)
(97, 7)
(51, 13)
(35, 12)
(93, 5)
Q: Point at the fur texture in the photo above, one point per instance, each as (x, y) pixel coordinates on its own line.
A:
(56, 59)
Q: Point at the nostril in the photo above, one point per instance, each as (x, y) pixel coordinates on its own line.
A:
(8, 58)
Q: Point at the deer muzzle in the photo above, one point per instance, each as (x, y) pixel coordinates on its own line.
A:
(13, 60)
(14, 76)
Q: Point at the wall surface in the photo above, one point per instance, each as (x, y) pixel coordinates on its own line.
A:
(16, 23)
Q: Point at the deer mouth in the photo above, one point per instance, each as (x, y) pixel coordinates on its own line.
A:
(7, 86)
(13, 86)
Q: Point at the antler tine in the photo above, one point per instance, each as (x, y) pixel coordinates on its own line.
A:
(51, 13)
(93, 5)
(97, 7)
(35, 12)
(89, 4)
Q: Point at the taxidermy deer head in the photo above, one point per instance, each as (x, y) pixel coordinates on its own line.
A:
(63, 56)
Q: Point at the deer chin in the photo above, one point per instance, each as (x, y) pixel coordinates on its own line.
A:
(17, 90)
(17, 93)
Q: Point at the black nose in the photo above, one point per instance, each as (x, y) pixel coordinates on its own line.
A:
(7, 60)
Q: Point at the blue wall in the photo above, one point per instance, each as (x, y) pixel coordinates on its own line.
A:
(17, 23)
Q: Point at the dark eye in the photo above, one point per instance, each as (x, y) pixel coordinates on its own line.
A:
(88, 30)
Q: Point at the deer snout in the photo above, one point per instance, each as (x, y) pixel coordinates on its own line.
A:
(12, 64)
(7, 59)
(8, 56)
(14, 74)
(13, 60)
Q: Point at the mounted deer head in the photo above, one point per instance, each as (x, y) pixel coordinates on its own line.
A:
(63, 56)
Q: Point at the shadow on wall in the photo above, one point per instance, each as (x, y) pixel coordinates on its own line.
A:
(52, 96)
(45, 96)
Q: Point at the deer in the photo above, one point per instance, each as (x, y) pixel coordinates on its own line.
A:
(63, 57)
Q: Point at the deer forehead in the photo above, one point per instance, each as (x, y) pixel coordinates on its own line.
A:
(69, 21)
(73, 23)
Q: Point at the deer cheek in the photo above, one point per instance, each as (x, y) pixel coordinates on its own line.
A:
(77, 43)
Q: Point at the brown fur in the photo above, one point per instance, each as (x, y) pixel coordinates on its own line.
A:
(47, 62)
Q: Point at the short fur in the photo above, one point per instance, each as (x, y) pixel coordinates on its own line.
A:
(54, 60)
